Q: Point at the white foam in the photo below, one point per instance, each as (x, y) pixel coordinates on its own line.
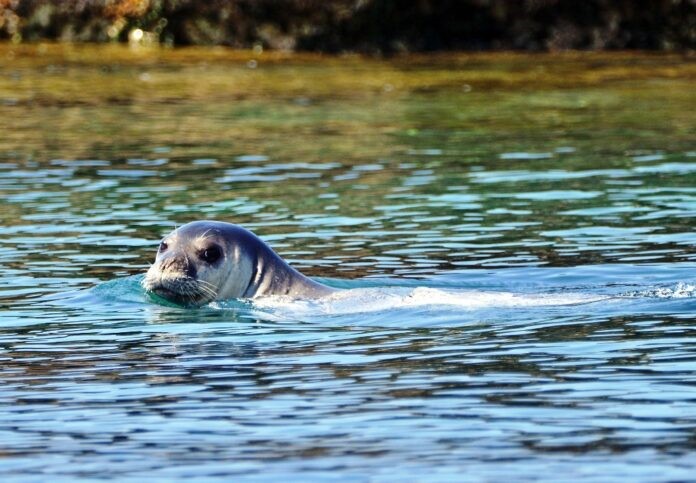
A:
(364, 300)
(679, 291)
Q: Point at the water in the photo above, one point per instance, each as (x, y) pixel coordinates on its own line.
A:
(513, 234)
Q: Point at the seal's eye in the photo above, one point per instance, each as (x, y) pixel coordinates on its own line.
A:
(163, 247)
(211, 254)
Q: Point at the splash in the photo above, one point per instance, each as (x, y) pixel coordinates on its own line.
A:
(679, 291)
(365, 300)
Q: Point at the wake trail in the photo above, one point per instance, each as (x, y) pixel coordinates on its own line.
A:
(382, 299)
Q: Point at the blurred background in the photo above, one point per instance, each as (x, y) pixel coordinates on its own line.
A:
(360, 25)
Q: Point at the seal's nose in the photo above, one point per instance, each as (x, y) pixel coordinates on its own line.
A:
(179, 263)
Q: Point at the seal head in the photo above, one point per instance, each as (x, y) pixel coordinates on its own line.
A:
(205, 261)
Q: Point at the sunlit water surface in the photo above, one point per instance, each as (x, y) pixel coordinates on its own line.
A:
(513, 236)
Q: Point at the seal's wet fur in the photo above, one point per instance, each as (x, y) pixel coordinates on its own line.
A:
(205, 261)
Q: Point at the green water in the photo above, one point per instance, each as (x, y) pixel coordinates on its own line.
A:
(515, 234)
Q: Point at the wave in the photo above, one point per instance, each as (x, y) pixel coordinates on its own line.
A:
(363, 300)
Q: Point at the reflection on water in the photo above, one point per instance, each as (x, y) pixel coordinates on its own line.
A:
(518, 231)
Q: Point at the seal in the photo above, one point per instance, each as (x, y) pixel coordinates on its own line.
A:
(205, 261)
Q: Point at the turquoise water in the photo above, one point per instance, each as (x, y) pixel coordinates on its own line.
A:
(516, 263)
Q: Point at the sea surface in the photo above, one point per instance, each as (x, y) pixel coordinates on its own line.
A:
(512, 234)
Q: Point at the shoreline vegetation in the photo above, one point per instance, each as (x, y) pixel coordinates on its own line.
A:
(107, 101)
(365, 26)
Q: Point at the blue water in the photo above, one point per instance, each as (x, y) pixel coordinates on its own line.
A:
(516, 266)
(471, 373)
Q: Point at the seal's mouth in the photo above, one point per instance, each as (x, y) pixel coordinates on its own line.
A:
(168, 294)
(187, 291)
